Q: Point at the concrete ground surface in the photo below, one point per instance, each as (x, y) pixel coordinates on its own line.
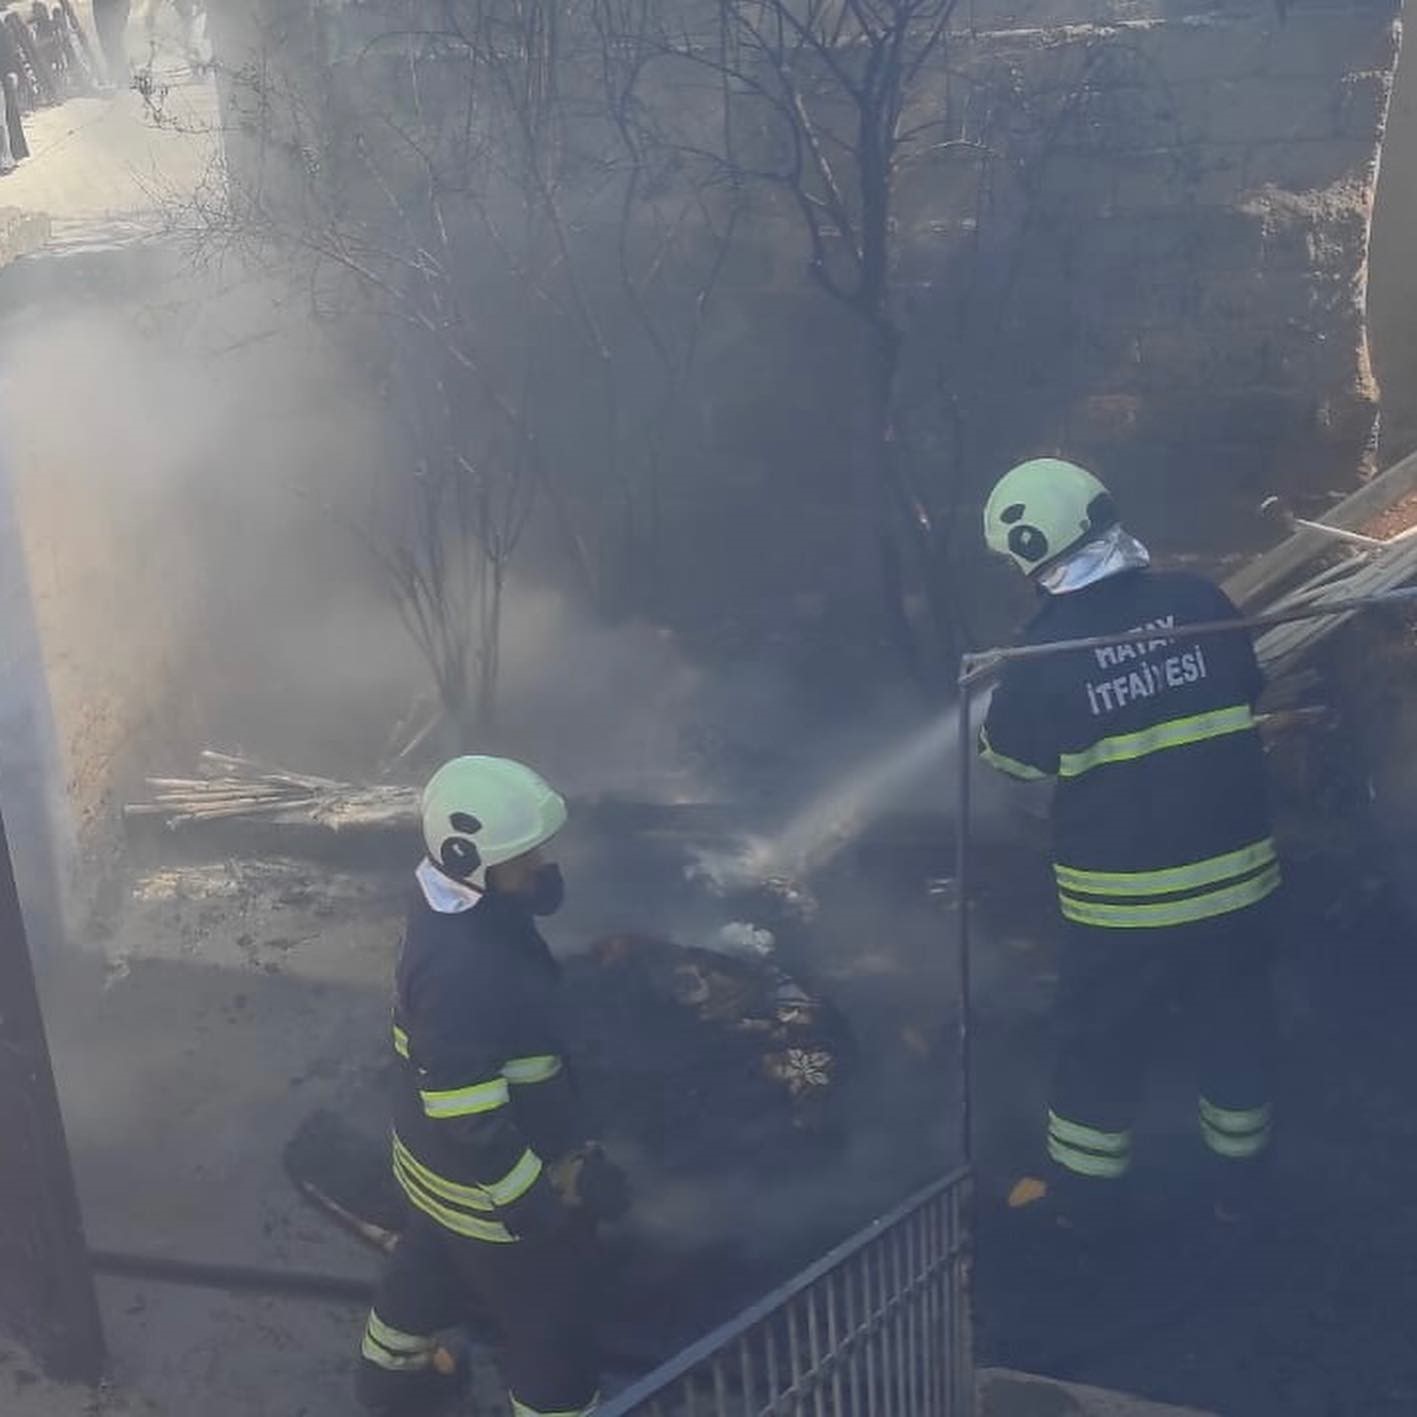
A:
(1007, 1394)
(229, 1001)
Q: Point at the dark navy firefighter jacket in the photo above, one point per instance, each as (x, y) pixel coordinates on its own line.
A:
(484, 1104)
(1160, 812)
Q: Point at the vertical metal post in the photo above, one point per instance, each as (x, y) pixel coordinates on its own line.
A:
(964, 944)
(46, 1285)
(961, 1210)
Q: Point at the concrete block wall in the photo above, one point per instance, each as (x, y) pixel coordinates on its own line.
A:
(1181, 291)
(1189, 308)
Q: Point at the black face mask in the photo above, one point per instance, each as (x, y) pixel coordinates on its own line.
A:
(548, 890)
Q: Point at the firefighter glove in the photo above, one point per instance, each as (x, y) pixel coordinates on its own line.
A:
(538, 1215)
(588, 1181)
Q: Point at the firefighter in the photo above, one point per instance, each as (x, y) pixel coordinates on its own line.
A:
(1166, 867)
(503, 1190)
(110, 19)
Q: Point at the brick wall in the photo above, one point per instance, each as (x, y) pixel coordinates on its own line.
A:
(1392, 287)
(1166, 277)
(1192, 292)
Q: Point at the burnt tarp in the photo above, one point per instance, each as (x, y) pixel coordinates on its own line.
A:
(705, 1060)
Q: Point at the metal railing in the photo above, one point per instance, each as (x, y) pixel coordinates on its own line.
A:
(880, 1327)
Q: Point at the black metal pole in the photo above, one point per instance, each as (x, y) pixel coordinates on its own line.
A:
(975, 664)
(964, 944)
(46, 1285)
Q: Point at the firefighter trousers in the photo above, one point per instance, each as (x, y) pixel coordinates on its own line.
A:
(1115, 988)
(539, 1295)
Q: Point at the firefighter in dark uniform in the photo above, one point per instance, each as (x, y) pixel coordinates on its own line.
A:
(110, 18)
(488, 1146)
(1165, 863)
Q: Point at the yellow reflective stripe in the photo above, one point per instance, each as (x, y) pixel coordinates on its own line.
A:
(518, 1181)
(400, 1042)
(1236, 1148)
(393, 1350)
(1023, 771)
(1086, 1151)
(1172, 912)
(1238, 1135)
(1175, 878)
(460, 1223)
(473, 1197)
(467, 1101)
(520, 1409)
(394, 1362)
(1237, 1123)
(396, 1340)
(522, 1071)
(1177, 733)
(515, 1184)
(1088, 1163)
(1113, 1143)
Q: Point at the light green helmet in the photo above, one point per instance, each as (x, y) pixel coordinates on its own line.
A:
(1044, 508)
(480, 812)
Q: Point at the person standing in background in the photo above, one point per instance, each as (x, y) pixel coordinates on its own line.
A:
(187, 14)
(110, 18)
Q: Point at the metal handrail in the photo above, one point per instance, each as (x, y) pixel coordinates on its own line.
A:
(807, 1382)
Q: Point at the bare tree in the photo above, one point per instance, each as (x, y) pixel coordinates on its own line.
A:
(541, 196)
(826, 102)
(472, 174)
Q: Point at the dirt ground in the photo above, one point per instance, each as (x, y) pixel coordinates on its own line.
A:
(226, 1002)
(186, 1050)
(230, 998)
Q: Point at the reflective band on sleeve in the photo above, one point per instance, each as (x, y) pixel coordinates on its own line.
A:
(393, 1350)
(1023, 771)
(447, 1201)
(522, 1072)
(1177, 733)
(520, 1409)
(467, 1101)
(518, 1181)
(449, 1217)
(1237, 1135)
(469, 1197)
(400, 1042)
(1158, 915)
(1174, 879)
(1086, 1151)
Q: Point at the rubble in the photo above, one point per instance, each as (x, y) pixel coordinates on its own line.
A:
(1322, 563)
(236, 787)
